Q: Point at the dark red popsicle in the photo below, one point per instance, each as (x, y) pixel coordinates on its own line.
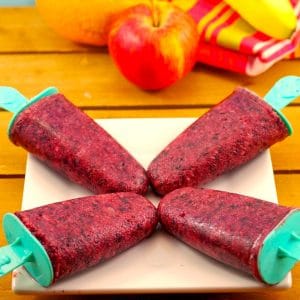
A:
(69, 141)
(82, 232)
(228, 227)
(227, 136)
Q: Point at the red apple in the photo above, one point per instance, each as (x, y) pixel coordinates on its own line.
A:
(153, 45)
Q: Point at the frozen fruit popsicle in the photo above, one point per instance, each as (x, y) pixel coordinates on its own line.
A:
(227, 136)
(255, 236)
(62, 238)
(65, 138)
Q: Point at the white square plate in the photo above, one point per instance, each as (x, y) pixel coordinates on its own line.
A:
(160, 264)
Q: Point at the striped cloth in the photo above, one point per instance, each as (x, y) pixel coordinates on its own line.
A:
(227, 41)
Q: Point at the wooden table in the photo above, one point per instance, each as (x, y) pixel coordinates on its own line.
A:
(32, 57)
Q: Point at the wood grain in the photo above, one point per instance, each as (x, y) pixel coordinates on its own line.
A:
(92, 80)
(23, 30)
(87, 75)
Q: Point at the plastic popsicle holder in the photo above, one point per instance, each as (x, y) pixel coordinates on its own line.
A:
(283, 92)
(280, 250)
(24, 249)
(13, 101)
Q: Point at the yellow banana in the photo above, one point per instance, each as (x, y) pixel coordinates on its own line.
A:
(275, 18)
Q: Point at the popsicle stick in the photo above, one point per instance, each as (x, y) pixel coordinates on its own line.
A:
(11, 99)
(284, 91)
(13, 256)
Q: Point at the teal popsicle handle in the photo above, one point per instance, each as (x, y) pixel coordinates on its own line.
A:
(24, 249)
(281, 249)
(15, 102)
(13, 256)
(11, 99)
(283, 92)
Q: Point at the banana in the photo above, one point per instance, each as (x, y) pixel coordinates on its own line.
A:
(275, 18)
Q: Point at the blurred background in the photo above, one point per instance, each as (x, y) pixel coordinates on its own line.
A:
(16, 2)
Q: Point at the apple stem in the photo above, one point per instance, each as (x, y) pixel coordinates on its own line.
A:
(155, 15)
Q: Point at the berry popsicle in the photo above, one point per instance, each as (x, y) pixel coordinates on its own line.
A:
(65, 138)
(255, 236)
(62, 238)
(227, 136)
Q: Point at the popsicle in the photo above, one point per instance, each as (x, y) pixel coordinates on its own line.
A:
(65, 138)
(252, 235)
(62, 238)
(227, 136)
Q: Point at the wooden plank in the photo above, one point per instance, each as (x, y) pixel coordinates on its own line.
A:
(10, 201)
(285, 155)
(23, 30)
(10, 198)
(288, 189)
(12, 158)
(92, 80)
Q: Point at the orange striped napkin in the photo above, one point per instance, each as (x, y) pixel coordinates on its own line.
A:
(227, 41)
